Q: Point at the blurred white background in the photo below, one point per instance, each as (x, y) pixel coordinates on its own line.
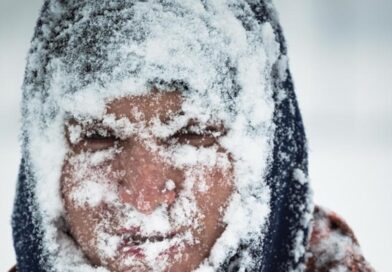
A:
(341, 60)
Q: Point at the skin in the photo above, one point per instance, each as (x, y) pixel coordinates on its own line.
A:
(141, 184)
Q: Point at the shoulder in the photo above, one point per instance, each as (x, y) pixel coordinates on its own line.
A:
(333, 245)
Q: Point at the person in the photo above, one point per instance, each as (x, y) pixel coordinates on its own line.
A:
(166, 136)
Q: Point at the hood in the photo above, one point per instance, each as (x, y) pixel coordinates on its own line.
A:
(228, 58)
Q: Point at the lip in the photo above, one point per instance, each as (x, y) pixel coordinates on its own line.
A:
(132, 241)
(171, 251)
(135, 251)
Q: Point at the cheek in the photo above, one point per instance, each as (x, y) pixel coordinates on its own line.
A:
(214, 189)
(81, 217)
(77, 215)
(68, 184)
(84, 185)
(212, 203)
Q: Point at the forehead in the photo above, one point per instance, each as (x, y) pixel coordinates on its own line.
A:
(146, 107)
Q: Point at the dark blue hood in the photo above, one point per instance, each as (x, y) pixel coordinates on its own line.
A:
(281, 246)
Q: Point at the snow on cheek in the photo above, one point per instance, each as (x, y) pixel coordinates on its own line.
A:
(92, 193)
(91, 179)
(203, 179)
(107, 244)
(185, 210)
(202, 185)
(184, 156)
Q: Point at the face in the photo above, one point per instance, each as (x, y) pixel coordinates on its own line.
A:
(146, 186)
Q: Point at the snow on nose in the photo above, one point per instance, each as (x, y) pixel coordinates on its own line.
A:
(145, 185)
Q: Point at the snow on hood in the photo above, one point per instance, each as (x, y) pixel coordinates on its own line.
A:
(228, 58)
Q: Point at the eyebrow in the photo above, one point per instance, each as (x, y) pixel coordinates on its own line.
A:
(217, 127)
(92, 123)
(85, 123)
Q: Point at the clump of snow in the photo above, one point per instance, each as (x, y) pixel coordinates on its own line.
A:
(300, 176)
(90, 193)
(170, 185)
(75, 132)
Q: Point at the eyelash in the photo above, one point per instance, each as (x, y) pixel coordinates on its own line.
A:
(198, 138)
(102, 138)
(98, 140)
(96, 135)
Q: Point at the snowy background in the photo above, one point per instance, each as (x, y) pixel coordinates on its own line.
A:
(341, 60)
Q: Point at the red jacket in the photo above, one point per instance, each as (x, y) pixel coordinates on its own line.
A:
(333, 245)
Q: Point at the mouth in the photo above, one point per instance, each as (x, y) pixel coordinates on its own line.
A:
(129, 239)
(132, 241)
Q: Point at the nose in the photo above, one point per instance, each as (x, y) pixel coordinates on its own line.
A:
(148, 180)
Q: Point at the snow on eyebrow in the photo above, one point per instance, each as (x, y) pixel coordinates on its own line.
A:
(122, 127)
(165, 129)
(188, 120)
(96, 58)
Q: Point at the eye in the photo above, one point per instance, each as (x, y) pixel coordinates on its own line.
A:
(91, 137)
(195, 136)
(98, 139)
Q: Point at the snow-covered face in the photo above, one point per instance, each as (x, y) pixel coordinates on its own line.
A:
(145, 188)
(155, 180)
